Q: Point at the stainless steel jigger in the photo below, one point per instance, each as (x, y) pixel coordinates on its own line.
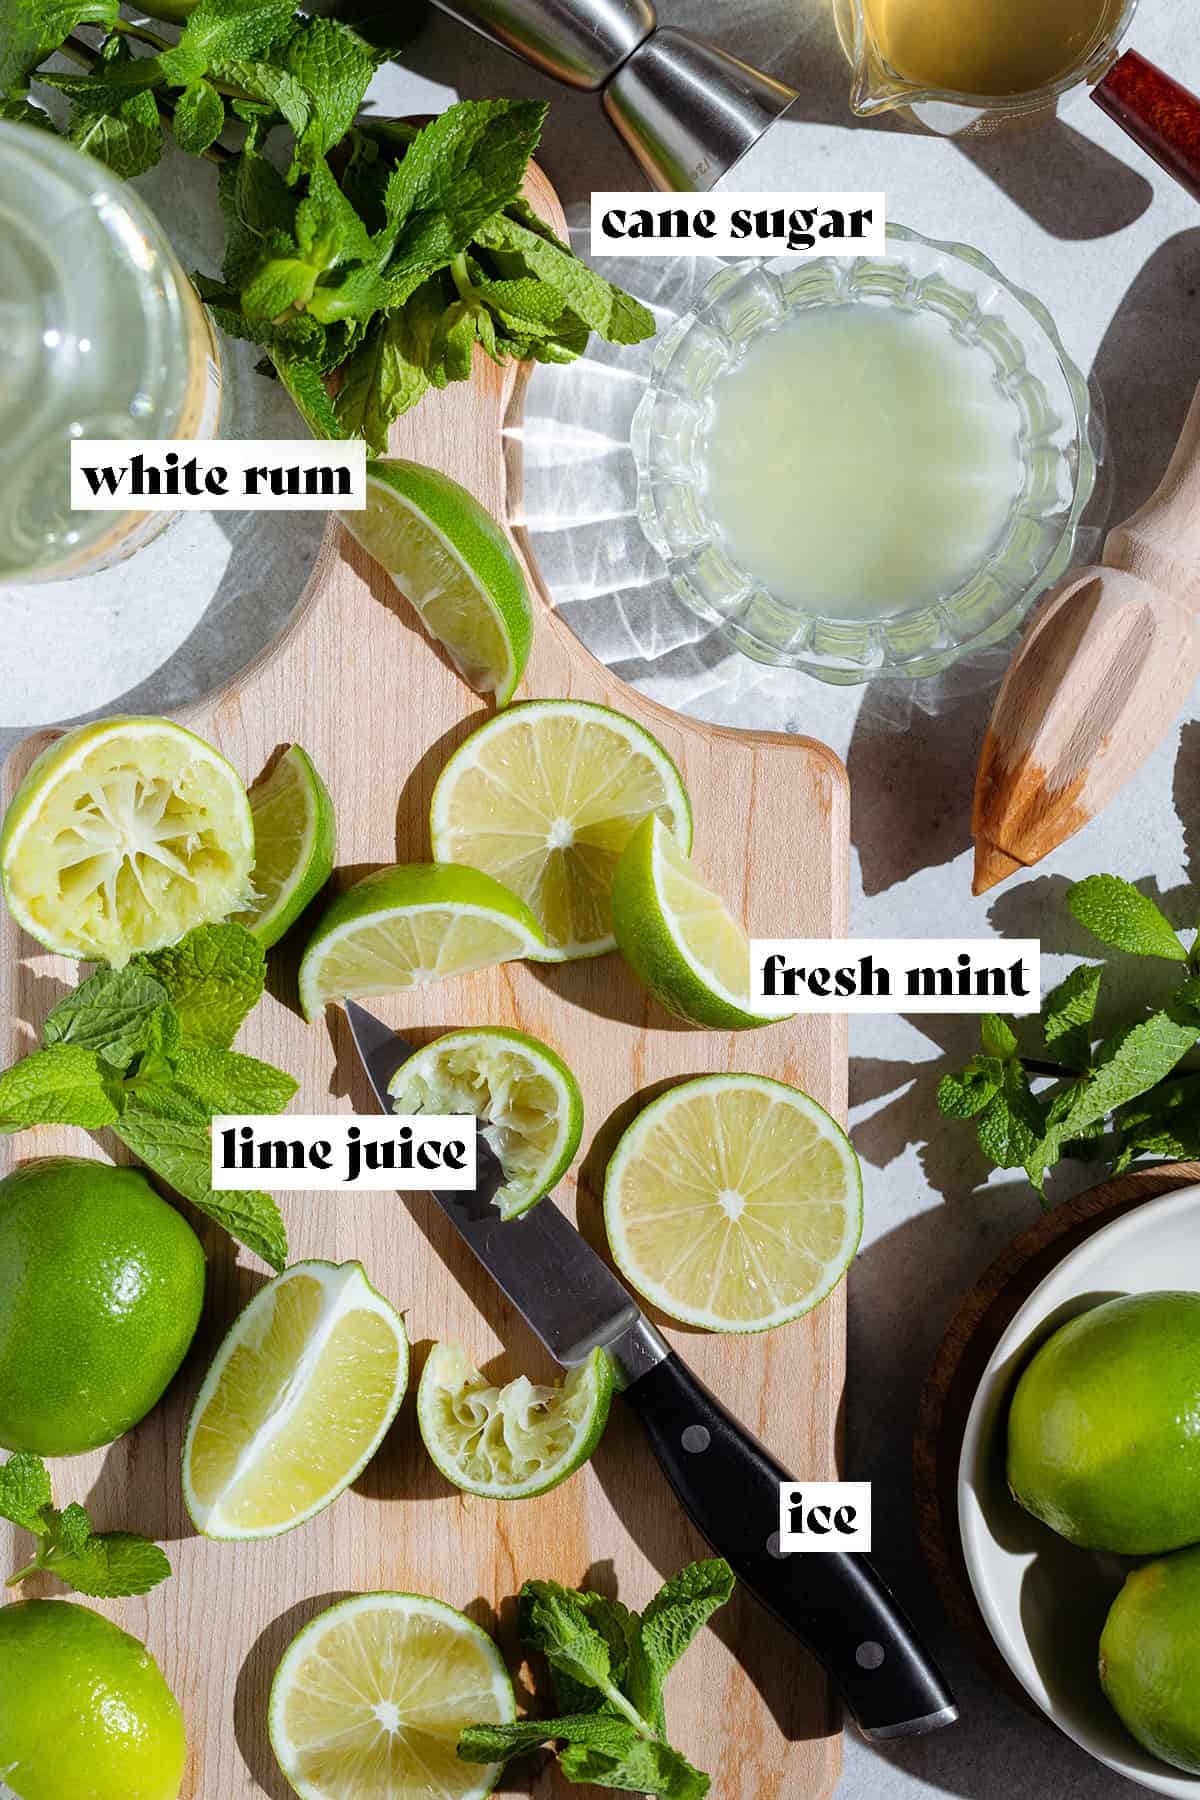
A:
(687, 110)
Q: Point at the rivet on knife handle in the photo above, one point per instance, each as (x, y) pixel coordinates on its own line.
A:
(836, 1603)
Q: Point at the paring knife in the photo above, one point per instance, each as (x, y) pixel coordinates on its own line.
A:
(835, 1602)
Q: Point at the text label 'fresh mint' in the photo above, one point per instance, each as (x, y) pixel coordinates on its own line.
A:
(297, 1153)
(896, 975)
(186, 475)
(730, 224)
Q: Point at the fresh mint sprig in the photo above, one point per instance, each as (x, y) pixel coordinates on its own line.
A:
(1124, 1088)
(145, 1050)
(609, 1666)
(372, 266)
(101, 1564)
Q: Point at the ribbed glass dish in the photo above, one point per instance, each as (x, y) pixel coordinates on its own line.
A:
(1059, 445)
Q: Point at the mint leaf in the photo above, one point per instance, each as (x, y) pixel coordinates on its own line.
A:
(460, 169)
(222, 29)
(258, 207)
(334, 66)
(1126, 1065)
(998, 1037)
(554, 1620)
(1012, 1126)
(387, 374)
(225, 1082)
(274, 87)
(1115, 912)
(498, 1743)
(681, 1608)
(213, 977)
(639, 1766)
(305, 382)
(21, 111)
(25, 1492)
(105, 1565)
(109, 1013)
(74, 1529)
(155, 1126)
(33, 28)
(519, 250)
(199, 117)
(963, 1096)
(110, 1564)
(620, 1630)
(1067, 1014)
(62, 1086)
(127, 139)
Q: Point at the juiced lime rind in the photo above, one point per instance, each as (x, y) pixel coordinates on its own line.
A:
(28, 830)
(406, 889)
(475, 1045)
(652, 1115)
(635, 737)
(657, 950)
(479, 1779)
(463, 533)
(294, 783)
(351, 1292)
(450, 1385)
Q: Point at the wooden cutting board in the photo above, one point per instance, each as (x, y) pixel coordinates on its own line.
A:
(378, 707)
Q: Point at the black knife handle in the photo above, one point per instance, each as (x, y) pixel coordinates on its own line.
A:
(835, 1602)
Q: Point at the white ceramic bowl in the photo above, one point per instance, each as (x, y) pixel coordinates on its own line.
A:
(1045, 1601)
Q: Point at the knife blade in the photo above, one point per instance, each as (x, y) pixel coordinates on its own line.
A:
(729, 1484)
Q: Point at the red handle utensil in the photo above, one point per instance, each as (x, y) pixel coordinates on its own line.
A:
(1158, 114)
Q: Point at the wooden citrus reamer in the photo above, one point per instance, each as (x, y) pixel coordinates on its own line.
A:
(1097, 680)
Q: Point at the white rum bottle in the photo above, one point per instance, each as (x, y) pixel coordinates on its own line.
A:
(101, 336)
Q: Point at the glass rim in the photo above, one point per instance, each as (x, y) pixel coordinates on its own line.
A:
(928, 618)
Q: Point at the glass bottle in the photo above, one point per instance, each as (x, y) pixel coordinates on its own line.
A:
(101, 335)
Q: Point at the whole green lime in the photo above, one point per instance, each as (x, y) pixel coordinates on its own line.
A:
(1104, 1432)
(84, 1709)
(101, 1285)
(1150, 1658)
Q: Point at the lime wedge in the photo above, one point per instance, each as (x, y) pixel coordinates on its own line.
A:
(679, 937)
(296, 1403)
(511, 1442)
(404, 927)
(370, 1700)
(733, 1202)
(449, 557)
(545, 797)
(123, 836)
(525, 1096)
(295, 837)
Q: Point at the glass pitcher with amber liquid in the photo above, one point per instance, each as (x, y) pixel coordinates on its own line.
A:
(976, 66)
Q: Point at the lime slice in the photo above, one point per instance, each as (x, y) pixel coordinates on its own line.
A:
(679, 938)
(296, 1403)
(526, 1097)
(370, 1700)
(449, 557)
(123, 836)
(404, 927)
(295, 837)
(545, 797)
(733, 1202)
(508, 1443)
